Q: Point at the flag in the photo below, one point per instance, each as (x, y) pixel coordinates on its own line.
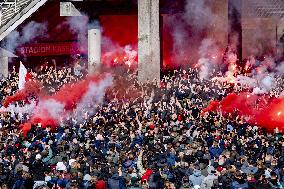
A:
(23, 72)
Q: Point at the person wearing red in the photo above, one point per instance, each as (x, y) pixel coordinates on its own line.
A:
(100, 184)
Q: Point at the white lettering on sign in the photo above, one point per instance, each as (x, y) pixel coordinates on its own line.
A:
(49, 49)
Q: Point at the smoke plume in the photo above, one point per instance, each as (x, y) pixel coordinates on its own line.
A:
(82, 96)
(208, 51)
(184, 32)
(30, 32)
(280, 69)
(79, 26)
(32, 88)
(92, 98)
(258, 110)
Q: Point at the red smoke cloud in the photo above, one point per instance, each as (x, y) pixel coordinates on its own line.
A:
(273, 115)
(50, 109)
(31, 88)
(120, 39)
(212, 106)
(67, 98)
(71, 94)
(261, 110)
(122, 29)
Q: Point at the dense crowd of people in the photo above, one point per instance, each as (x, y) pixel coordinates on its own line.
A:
(154, 139)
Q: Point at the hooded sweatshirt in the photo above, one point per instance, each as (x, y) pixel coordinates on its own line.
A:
(196, 178)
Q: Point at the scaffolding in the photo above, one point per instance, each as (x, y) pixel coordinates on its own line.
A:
(9, 8)
(263, 8)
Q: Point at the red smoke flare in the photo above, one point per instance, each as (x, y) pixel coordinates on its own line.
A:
(69, 96)
(63, 102)
(25, 128)
(31, 88)
(212, 106)
(261, 110)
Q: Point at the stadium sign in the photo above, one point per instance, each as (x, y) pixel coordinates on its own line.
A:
(46, 49)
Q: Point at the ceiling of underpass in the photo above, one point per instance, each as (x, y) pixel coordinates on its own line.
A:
(117, 7)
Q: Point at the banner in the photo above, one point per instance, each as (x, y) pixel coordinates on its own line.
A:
(46, 49)
(22, 76)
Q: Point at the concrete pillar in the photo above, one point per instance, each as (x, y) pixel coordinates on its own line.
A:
(94, 49)
(259, 36)
(148, 40)
(221, 24)
(4, 66)
(235, 25)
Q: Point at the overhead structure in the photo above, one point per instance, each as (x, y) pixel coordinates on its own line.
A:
(68, 9)
(262, 27)
(4, 60)
(17, 12)
(264, 8)
(148, 41)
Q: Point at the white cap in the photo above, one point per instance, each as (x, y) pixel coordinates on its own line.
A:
(25, 168)
(196, 187)
(60, 166)
(75, 140)
(47, 178)
(87, 177)
(71, 161)
(38, 156)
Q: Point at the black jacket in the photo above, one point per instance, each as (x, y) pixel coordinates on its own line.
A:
(38, 169)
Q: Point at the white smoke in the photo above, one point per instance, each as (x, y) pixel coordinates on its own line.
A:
(266, 84)
(246, 81)
(280, 69)
(258, 90)
(54, 108)
(204, 68)
(30, 32)
(113, 49)
(26, 109)
(199, 15)
(79, 26)
(131, 55)
(208, 51)
(198, 21)
(93, 98)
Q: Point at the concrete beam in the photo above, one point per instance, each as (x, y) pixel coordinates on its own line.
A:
(94, 49)
(68, 9)
(148, 40)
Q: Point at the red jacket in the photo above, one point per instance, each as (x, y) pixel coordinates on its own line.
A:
(101, 184)
(147, 174)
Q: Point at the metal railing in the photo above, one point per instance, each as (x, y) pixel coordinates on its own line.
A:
(9, 8)
(7, 4)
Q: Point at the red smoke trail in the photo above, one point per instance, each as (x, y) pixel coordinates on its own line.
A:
(119, 31)
(261, 110)
(272, 116)
(122, 29)
(50, 109)
(212, 106)
(31, 88)
(64, 101)
(70, 94)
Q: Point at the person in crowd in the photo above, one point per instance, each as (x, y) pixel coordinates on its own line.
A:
(147, 136)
